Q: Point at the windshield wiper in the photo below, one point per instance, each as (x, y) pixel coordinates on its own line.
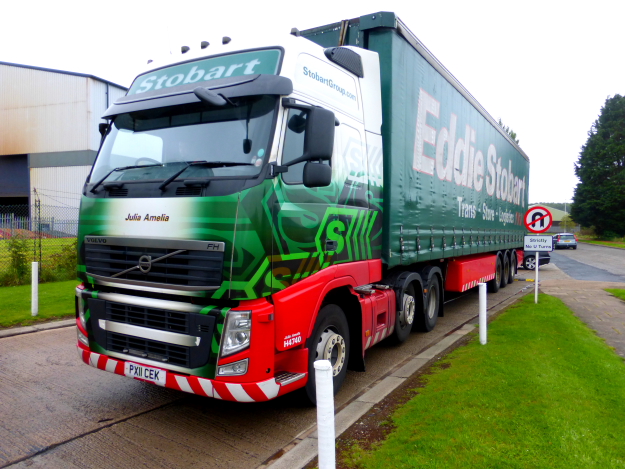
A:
(210, 164)
(121, 168)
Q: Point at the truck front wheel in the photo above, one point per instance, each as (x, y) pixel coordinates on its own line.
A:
(329, 341)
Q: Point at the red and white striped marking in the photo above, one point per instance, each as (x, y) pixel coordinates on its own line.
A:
(473, 284)
(238, 392)
(372, 340)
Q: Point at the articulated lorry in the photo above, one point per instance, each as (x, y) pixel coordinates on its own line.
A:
(256, 206)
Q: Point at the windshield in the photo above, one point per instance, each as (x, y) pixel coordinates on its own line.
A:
(162, 141)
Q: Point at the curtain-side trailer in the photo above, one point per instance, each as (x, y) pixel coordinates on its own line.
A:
(256, 206)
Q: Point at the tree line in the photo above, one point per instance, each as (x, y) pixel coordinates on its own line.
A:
(599, 199)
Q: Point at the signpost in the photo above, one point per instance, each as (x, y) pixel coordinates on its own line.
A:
(538, 220)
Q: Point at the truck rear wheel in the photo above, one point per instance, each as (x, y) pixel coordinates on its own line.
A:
(493, 285)
(513, 266)
(426, 319)
(329, 341)
(505, 272)
(405, 318)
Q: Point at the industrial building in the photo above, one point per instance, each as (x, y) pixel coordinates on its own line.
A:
(49, 133)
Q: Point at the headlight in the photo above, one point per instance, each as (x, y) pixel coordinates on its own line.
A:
(237, 332)
(80, 306)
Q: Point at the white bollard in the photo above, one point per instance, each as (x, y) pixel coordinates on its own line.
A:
(34, 302)
(325, 414)
(536, 281)
(483, 317)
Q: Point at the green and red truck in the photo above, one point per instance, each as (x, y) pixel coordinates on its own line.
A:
(258, 205)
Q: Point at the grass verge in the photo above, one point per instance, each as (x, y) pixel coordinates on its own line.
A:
(56, 300)
(544, 392)
(618, 292)
(613, 244)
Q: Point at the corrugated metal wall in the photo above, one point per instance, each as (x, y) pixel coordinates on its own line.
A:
(43, 111)
(53, 117)
(60, 186)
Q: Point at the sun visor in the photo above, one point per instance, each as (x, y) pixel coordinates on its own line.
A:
(229, 87)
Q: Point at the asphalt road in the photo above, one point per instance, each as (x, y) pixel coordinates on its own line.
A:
(57, 412)
(591, 262)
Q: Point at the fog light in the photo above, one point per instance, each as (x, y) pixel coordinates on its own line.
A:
(82, 337)
(231, 369)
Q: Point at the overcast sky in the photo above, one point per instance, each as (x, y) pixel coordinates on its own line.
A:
(544, 67)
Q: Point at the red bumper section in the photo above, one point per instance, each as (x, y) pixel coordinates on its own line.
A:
(237, 392)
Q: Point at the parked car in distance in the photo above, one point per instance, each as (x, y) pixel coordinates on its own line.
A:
(529, 259)
(564, 240)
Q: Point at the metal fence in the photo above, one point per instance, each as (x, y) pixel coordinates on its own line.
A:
(39, 233)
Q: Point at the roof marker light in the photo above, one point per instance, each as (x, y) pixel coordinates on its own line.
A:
(184, 49)
(225, 40)
(204, 44)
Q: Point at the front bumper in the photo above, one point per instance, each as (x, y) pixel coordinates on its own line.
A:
(228, 391)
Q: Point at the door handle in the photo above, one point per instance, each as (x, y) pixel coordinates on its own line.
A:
(331, 245)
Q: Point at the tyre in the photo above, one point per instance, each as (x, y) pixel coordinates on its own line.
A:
(405, 318)
(426, 319)
(329, 341)
(530, 263)
(574, 247)
(505, 272)
(513, 266)
(493, 285)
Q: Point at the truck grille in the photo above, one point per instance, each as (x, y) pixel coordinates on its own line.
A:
(151, 349)
(174, 266)
(133, 330)
(154, 319)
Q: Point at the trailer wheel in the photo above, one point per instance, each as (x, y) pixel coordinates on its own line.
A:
(493, 285)
(513, 266)
(329, 341)
(405, 318)
(505, 272)
(428, 317)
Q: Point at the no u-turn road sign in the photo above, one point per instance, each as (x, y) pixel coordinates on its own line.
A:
(538, 219)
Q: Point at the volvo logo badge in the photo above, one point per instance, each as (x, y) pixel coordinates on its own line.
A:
(145, 264)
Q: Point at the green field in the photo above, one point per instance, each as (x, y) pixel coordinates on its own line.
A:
(613, 244)
(545, 392)
(56, 300)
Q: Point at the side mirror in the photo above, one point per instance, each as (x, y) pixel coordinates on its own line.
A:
(297, 123)
(319, 137)
(317, 174)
